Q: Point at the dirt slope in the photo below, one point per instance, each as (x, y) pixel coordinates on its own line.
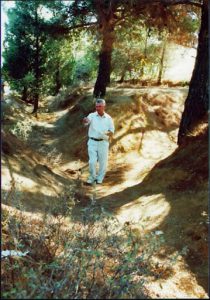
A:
(150, 183)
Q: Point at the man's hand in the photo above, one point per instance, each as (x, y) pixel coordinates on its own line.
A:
(107, 135)
(86, 121)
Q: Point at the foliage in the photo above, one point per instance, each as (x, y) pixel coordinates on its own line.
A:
(22, 129)
(70, 62)
(24, 52)
(86, 66)
(59, 65)
(29, 42)
(93, 257)
(137, 54)
(62, 61)
(184, 27)
(70, 56)
(139, 42)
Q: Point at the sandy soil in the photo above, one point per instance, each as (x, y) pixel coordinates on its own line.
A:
(149, 182)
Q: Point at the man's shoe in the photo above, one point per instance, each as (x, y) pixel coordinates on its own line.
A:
(98, 181)
(90, 181)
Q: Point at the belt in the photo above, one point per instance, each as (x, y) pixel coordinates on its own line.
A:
(98, 140)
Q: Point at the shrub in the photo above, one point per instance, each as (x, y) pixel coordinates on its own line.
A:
(91, 256)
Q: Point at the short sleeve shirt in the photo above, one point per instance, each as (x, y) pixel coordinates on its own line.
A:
(99, 124)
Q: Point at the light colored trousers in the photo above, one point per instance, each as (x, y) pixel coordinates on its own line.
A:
(98, 151)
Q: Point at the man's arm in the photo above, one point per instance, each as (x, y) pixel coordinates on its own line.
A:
(111, 129)
(109, 133)
(86, 121)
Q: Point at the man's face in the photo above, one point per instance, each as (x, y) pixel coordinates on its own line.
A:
(100, 108)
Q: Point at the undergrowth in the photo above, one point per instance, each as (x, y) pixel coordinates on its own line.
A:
(95, 257)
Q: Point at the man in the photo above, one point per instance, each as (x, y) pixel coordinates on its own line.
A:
(101, 128)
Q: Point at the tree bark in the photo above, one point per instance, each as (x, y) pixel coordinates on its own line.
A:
(36, 92)
(106, 20)
(122, 76)
(24, 94)
(57, 80)
(145, 52)
(161, 66)
(196, 103)
(37, 67)
(104, 70)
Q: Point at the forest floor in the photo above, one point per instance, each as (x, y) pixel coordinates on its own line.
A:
(151, 183)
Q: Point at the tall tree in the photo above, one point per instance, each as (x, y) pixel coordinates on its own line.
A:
(196, 103)
(37, 50)
(18, 52)
(106, 16)
(24, 52)
(107, 19)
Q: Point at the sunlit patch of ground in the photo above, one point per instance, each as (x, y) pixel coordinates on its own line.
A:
(148, 211)
(180, 283)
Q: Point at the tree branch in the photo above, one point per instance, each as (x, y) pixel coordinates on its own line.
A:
(83, 25)
(144, 3)
(56, 29)
(186, 2)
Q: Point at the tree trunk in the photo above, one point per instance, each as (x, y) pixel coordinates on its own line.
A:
(196, 103)
(24, 94)
(57, 81)
(122, 76)
(104, 70)
(161, 66)
(37, 78)
(145, 52)
(37, 67)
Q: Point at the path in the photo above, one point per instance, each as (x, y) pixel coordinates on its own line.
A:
(134, 189)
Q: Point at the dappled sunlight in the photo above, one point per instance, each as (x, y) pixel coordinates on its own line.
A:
(46, 191)
(142, 187)
(94, 208)
(45, 125)
(179, 284)
(6, 178)
(18, 179)
(23, 183)
(148, 122)
(73, 166)
(157, 145)
(26, 182)
(17, 167)
(149, 211)
(179, 93)
(14, 211)
(180, 62)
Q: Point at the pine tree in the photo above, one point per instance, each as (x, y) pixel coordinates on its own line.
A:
(24, 50)
(196, 104)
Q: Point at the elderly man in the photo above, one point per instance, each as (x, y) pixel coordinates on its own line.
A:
(101, 128)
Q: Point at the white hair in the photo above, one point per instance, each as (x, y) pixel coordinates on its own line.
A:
(101, 101)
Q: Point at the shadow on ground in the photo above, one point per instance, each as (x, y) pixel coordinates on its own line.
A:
(182, 181)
